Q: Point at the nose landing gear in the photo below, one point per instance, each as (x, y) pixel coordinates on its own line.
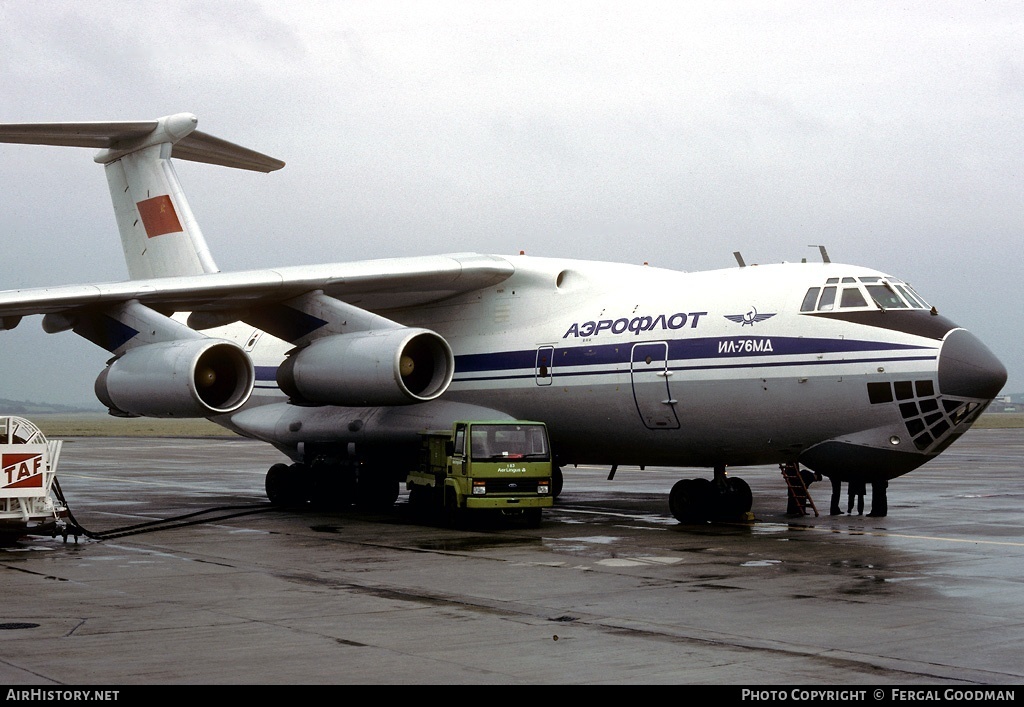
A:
(702, 500)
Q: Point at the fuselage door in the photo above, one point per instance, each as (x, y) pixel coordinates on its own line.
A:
(545, 358)
(651, 389)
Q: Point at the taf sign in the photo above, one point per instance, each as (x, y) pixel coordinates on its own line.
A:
(21, 470)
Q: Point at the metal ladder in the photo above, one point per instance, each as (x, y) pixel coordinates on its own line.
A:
(797, 488)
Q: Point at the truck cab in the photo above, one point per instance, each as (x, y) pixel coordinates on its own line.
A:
(498, 466)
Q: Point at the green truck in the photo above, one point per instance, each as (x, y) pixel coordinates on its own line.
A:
(501, 467)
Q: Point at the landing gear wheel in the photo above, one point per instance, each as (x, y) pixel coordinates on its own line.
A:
(376, 490)
(679, 500)
(689, 500)
(333, 486)
(288, 485)
(277, 485)
(738, 498)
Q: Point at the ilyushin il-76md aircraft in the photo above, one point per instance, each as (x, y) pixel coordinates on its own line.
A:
(845, 370)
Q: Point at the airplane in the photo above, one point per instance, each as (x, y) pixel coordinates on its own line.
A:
(843, 369)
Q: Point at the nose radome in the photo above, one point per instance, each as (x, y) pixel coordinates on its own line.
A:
(968, 369)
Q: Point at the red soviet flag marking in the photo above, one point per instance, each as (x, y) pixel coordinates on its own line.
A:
(158, 216)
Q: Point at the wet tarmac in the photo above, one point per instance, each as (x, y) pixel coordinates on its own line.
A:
(609, 590)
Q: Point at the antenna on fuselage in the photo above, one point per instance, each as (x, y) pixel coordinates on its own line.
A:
(739, 258)
(824, 253)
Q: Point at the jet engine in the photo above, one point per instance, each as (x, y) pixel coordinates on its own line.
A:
(184, 378)
(387, 367)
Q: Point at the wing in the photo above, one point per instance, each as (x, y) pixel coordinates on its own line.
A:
(371, 285)
(342, 349)
(326, 311)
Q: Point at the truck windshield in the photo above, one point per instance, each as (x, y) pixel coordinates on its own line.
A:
(492, 442)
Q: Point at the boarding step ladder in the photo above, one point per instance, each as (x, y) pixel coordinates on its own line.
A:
(797, 488)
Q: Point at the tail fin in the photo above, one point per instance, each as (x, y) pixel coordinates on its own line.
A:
(159, 234)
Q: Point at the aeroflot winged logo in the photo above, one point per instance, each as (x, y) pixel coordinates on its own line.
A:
(751, 317)
(21, 471)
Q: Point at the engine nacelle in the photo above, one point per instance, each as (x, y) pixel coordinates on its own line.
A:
(185, 378)
(387, 367)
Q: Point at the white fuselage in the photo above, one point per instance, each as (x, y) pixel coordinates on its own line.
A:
(639, 365)
(837, 367)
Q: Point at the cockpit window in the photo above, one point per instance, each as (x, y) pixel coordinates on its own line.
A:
(912, 297)
(881, 293)
(885, 296)
(828, 299)
(810, 299)
(852, 297)
(907, 296)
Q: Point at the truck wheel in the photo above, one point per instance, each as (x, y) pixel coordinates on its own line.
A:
(454, 517)
(416, 497)
(420, 498)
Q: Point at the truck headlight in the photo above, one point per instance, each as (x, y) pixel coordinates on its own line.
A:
(479, 488)
(543, 486)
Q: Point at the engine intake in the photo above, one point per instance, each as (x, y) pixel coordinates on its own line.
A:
(187, 378)
(387, 367)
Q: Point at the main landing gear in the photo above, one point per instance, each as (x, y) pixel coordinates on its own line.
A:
(332, 486)
(703, 500)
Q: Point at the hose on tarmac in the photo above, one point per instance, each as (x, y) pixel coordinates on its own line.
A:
(74, 528)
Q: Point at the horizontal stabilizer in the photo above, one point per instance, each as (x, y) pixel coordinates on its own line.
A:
(203, 147)
(117, 136)
(98, 135)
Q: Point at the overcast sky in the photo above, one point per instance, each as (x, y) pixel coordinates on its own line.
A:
(673, 133)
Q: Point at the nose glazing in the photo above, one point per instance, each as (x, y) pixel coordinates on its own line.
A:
(967, 369)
